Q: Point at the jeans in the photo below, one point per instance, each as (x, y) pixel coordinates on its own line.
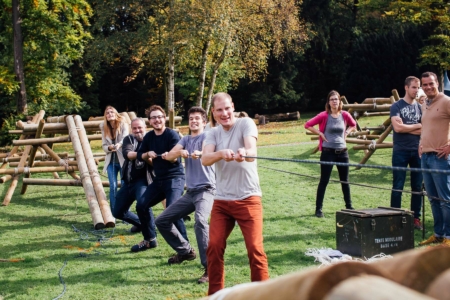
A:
(249, 215)
(128, 193)
(198, 200)
(325, 173)
(157, 191)
(438, 185)
(113, 170)
(403, 159)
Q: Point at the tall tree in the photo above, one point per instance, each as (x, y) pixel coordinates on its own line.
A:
(18, 57)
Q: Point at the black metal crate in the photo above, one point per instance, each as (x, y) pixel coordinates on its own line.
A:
(367, 232)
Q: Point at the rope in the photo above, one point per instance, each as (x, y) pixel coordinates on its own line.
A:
(424, 193)
(62, 281)
(352, 165)
(372, 145)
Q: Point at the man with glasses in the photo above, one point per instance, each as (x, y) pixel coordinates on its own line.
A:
(406, 115)
(434, 148)
(169, 176)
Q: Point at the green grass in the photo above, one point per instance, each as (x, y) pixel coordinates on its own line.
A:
(37, 227)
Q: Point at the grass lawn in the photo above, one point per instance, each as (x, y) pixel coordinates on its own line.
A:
(38, 227)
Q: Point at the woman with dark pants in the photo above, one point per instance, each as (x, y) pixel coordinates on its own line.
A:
(334, 126)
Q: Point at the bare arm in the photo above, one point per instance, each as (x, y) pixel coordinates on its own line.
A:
(248, 150)
(399, 127)
(349, 129)
(317, 131)
(176, 152)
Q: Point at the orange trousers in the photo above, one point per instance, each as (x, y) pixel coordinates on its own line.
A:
(248, 214)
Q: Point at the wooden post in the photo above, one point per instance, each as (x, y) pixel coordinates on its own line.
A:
(171, 118)
(94, 208)
(33, 154)
(20, 170)
(95, 177)
(59, 182)
(22, 163)
(395, 95)
(344, 101)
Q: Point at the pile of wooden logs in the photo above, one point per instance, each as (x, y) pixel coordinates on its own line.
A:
(414, 274)
(290, 116)
(369, 139)
(38, 156)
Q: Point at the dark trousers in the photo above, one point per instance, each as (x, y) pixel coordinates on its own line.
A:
(325, 173)
(403, 159)
(128, 193)
(157, 191)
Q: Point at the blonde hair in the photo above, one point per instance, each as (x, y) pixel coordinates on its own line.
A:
(107, 128)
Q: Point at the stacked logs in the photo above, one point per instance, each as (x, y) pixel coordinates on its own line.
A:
(414, 274)
(39, 157)
(369, 139)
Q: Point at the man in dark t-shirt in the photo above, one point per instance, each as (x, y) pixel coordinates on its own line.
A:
(169, 176)
(406, 115)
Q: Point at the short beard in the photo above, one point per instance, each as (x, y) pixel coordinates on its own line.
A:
(139, 136)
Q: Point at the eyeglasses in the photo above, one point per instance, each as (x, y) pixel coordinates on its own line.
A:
(333, 99)
(157, 117)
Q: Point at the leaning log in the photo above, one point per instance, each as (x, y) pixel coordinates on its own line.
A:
(290, 116)
(95, 177)
(94, 208)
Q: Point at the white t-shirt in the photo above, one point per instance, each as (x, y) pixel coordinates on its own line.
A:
(234, 180)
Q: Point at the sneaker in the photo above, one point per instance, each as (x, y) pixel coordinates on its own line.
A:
(446, 242)
(417, 224)
(144, 245)
(205, 278)
(432, 240)
(179, 258)
(319, 213)
(135, 229)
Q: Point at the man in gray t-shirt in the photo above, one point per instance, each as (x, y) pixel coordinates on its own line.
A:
(201, 184)
(230, 146)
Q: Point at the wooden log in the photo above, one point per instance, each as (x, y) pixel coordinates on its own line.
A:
(94, 208)
(59, 139)
(58, 119)
(440, 287)
(367, 107)
(44, 164)
(358, 141)
(171, 118)
(32, 156)
(240, 114)
(21, 170)
(59, 182)
(416, 268)
(59, 160)
(99, 118)
(305, 285)
(380, 146)
(378, 101)
(39, 157)
(31, 128)
(395, 95)
(372, 287)
(95, 177)
(281, 117)
(344, 101)
(380, 140)
(132, 115)
(374, 114)
(22, 162)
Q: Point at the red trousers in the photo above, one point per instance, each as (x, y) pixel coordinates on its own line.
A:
(248, 214)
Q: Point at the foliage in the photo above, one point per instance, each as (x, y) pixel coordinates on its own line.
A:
(53, 37)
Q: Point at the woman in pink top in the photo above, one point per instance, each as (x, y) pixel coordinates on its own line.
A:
(334, 126)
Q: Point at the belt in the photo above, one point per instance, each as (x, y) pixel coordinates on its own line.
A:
(336, 151)
(431, 153)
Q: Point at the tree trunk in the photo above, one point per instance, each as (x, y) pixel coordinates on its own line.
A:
(18, 57)
(214, 75)
(171, 79)
(201, 87)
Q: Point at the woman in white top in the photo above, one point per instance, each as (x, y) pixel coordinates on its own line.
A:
(114, 129)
